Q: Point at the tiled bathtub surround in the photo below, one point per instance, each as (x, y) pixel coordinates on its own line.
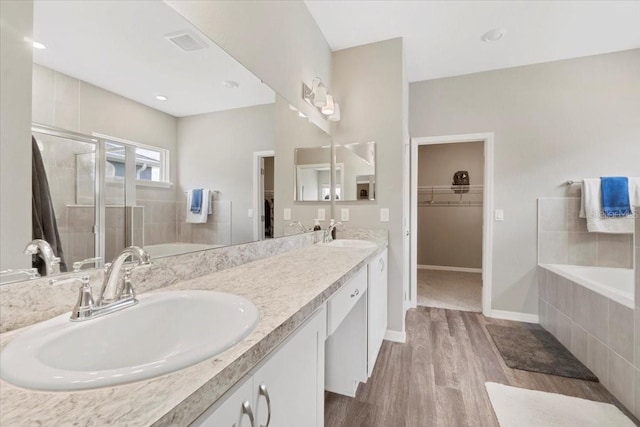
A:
(563, 238)
(601, 333)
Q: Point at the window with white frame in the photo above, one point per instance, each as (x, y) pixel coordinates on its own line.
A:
(152, 163)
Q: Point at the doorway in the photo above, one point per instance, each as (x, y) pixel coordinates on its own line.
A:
(263, 194)
(451, 205)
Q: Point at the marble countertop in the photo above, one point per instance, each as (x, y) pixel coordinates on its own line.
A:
(286, 288)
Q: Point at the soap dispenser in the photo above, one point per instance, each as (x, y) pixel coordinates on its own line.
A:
(316, 225)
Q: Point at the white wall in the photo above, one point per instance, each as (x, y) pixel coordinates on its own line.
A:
(278, 41)
(450, 235)
(552, 122)
(15, 132)
(216, 152)
(369, 83)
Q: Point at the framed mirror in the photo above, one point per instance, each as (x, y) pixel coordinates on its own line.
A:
(355, 167)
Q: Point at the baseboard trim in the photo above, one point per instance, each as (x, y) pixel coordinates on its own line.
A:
(448, 268)
(395, 336)
(514, 315)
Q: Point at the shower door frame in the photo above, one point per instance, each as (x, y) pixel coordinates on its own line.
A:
(99, 199)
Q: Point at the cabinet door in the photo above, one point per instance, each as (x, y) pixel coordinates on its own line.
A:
(289, 385)
(377, 306)
(234, 409)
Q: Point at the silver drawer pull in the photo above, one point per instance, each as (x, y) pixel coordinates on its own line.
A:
(262, 391)
(355, 294)
(246, 410)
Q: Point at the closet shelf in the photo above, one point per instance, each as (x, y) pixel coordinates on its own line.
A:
(450, 189)
(441, 204)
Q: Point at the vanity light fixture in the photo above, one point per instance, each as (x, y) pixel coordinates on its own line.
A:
(38, 45)
(230, 84)
(318, 96)
(161, 98)
(494, 35)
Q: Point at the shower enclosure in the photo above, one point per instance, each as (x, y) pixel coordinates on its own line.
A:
(88, 183)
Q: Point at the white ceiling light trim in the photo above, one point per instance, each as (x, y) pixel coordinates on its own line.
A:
(494, 35)
(230, 84)
(161, 98)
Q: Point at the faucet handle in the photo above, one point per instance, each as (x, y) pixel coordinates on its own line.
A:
(84, 304)
(127, 288)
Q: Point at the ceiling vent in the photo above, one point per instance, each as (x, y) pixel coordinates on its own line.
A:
(186, 41)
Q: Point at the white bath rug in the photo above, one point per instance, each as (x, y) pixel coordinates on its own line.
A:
(519, 407)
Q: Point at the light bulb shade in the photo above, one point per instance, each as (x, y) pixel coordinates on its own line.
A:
(335, 117)
(328, 109)
(320, 96)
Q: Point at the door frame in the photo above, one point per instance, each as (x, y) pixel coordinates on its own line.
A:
(258, 186)
(487, 218)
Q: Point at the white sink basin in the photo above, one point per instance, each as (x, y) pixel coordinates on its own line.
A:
(347, 243)
(164, 332)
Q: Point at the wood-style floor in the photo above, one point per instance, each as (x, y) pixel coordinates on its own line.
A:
(437, 378)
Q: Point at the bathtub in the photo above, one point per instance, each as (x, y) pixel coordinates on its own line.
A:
(169, 249)
(614, 283)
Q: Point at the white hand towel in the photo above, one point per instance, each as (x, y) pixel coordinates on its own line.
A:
(591, 208)
(201, 217)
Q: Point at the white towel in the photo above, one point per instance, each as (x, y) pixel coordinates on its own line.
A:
(591, 208)
(201, 217)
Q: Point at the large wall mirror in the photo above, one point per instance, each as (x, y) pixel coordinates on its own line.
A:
(134, 109)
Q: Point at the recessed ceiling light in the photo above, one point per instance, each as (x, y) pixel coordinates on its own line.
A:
(301, 114)
(161, 98)
(230, 84)
(37, 45)
(494, 35)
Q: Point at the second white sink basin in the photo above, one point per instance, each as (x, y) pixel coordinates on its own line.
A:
(348, 243)
(164, 332)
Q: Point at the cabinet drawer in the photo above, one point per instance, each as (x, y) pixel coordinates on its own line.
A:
(341, 303)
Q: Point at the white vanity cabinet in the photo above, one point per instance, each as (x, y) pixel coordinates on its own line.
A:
(377, 307)
(346, 346)
(285, 389)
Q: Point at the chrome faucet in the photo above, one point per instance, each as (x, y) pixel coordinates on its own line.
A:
(113, 287)
(115, 294)
(45, 251)
(327, 236)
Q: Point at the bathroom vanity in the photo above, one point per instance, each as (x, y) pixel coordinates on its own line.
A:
(305, 298)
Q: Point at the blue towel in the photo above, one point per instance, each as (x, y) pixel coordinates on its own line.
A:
(615, 196)
(196, 200)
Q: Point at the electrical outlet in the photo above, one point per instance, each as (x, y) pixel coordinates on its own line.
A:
(384, 214)
(321, 214)
(287, 214)
(250, 213)
(344, 214)
(499, 215)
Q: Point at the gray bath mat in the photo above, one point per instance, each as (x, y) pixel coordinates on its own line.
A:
(537, 350)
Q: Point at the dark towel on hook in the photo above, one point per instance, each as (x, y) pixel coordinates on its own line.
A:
(43, 218)
(615, 196)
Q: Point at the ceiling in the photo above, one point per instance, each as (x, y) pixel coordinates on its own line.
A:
(120, 46)
(443, 38)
